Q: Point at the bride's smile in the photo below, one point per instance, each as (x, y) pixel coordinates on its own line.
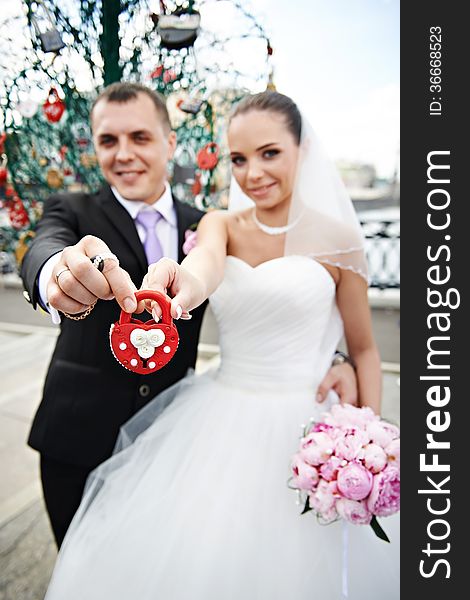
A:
(264, 158)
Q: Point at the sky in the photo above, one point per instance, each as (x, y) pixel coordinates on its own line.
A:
(339, 60)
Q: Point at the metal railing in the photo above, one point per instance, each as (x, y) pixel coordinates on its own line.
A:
(383, 252)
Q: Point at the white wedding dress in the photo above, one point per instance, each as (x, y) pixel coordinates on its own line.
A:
(198, 507)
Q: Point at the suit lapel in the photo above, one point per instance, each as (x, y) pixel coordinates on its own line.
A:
(123, 223)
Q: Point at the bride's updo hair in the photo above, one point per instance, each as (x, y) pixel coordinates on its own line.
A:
(273, 102)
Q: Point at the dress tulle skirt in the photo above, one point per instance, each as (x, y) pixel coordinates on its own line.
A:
(197, 507)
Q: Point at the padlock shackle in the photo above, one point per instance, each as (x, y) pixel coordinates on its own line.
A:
(162, 300)
(47, 14)
(54, 93)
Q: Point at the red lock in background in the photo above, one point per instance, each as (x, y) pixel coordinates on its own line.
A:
(208, 156)
(145, 347)
(53, 107)
(3, 175)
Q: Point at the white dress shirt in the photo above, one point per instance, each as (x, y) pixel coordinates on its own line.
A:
(166, 230)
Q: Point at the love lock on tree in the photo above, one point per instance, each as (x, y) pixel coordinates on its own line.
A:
(23, 243)
(184, 168)
(17, 214)
(191, 105)
(178, 30)
(196, 188)
(53, 107)
(3, 170)
(208, 156)
(49, 37)
(144, 347)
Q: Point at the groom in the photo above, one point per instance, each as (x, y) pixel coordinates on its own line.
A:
(87, 395)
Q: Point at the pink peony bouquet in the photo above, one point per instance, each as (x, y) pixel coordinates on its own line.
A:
(348, 466)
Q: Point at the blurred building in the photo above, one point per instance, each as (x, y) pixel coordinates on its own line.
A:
(367, 191)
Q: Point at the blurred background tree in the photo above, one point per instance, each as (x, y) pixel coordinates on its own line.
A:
(202, 56)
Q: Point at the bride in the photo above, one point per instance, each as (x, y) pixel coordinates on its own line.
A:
(194, 504)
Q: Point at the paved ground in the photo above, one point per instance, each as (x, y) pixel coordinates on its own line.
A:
(27, 551)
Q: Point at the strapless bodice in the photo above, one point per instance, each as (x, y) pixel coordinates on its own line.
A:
(278, 322)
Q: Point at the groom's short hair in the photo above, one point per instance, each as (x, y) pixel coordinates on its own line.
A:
(125, 91)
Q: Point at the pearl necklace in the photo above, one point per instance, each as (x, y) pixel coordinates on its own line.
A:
(274, 230)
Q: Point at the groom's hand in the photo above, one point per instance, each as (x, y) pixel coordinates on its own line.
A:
(342, 379)
(76, 282)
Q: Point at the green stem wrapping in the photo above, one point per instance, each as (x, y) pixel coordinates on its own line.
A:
(379, 532)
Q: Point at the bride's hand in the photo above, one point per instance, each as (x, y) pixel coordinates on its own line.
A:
(342, 379)
(170, 278)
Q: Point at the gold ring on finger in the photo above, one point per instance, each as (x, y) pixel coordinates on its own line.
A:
(59, 273)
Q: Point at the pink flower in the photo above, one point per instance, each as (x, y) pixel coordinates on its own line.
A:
(348, 466)
(384, 498)
(321, 427)
(329, 469)
(349, 416)
(350, 445)
(328, 516)
(190, 240)
(305, 476)
(323, 500)
(382, 433)
(393, 453)
(316, 448)
(375, 458)
(353, 511)
(354, 481)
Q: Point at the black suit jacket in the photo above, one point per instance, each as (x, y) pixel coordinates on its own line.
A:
(87, 394)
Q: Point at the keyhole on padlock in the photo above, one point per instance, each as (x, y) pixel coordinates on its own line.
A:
(144, 363)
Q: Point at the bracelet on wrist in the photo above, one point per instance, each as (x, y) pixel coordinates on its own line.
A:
(340, 357)
(82, 315)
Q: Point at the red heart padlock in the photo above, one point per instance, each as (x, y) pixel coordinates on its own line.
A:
(145, 347)
(208, 157)
(53, 107)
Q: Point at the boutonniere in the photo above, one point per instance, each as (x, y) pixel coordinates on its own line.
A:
(190, 238)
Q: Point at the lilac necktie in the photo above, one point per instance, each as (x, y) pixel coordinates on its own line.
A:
(149, 219)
